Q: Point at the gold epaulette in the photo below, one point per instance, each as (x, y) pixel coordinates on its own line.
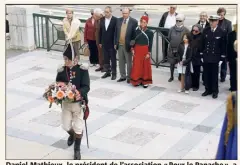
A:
(84, 66)
(60, 68)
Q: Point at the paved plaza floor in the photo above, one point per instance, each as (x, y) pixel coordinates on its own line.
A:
(125, 122)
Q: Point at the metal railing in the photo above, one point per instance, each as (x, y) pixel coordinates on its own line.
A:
(48, 34)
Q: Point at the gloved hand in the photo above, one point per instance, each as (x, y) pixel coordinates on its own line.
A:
(86, 113)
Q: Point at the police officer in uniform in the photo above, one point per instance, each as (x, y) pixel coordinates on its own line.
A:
(213, 51)
(72, 113)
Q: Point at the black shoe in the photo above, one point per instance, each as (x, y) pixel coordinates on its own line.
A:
(77, 154)
(107, 74)
(121, 80)
(206, 93)
(70, 138)
(128, 81)
(222, 80)
(145, 86)
(195, 89)
(113, 77)
(171, 79)
(214, 95)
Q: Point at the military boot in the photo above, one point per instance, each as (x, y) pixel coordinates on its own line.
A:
(77, 144)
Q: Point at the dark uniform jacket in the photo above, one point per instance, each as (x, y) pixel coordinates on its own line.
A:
(81, 79)
(144, 38)
(213, 45)
(231, 53)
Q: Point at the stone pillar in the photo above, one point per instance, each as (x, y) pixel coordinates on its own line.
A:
(21, 26)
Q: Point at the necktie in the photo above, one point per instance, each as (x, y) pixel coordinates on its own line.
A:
(125, 21)
(202, 25)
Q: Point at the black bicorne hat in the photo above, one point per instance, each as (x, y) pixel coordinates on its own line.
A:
(68, 52)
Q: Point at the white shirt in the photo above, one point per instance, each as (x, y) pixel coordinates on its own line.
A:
(126, 20)
(107, 22)
(214, 29)
(185, 51)
(203, 24)
(170, 21)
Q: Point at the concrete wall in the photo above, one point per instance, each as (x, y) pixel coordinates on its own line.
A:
(21, 26)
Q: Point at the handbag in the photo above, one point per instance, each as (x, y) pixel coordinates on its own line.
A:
(86, 51)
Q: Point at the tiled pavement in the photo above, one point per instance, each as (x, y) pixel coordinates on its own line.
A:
(124, 123)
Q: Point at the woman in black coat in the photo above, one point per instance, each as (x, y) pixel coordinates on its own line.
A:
(184, 53)
(196, 58)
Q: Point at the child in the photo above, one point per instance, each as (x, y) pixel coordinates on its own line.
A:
(184, 53)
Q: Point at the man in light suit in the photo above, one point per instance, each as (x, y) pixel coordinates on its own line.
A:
(125, 33)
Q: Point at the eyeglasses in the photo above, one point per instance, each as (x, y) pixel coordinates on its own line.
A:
(172, 8)
(196, 31)
(178, 20)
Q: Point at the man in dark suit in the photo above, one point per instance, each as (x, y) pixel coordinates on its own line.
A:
(204, 24)
(203, 20)
(167, 21)
(106, 41)
(125, 33)
(232, 59)
(226, 26)
(213, 51)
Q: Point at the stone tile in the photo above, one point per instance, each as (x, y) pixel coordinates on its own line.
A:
(206, 149)
(178, 106)
(59, 154)
(156, 88)
(99, 154)
(100, 122)
(52, 118)
(21, 93)
(160, 144)
(36, 68)
(202, 128)
(17, 148)
(216, 131)
(140, 116)
(114, 128)
(94, 78)
(183, 146)
(16, 75)
(112, 146)
(132, 104)
(216, 117)
(30, 136)
(176, 123)
(40, 82)
(118, 112)
(62, 144)
(104, 93)
(25, 107)
(135, 136)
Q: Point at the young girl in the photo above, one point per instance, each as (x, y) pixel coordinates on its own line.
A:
(184, 65)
